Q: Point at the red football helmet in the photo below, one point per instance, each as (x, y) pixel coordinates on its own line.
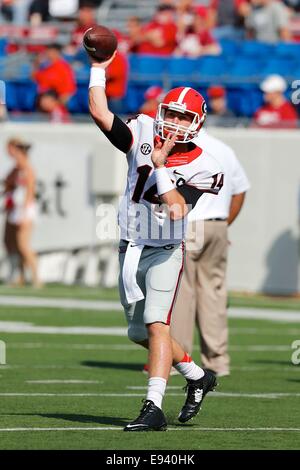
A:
(183, 100)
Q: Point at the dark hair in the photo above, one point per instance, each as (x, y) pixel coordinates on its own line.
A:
(87, 4)
(55, 45)
(165, 7)
(49, 93)
(19, 143)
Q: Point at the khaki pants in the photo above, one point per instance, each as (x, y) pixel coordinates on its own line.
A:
(202, 296)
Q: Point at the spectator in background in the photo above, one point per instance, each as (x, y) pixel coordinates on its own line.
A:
(228, 17)
(54, 73)
(158, 36)
(86, 19)
(202, 294)
(49, 103)
(134, 29)
(15, 11)
(39, 12)
(219, 114)
(153, 96)
(66, 9)
(45, 10)
(116, 82)
(268, 21)
(185, 12)
(294, 5)
(197, 39)
(278, 112)
(19, 191)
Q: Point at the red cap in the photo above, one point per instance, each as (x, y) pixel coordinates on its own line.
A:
(216, 91)
(153, 92)
(201, 11)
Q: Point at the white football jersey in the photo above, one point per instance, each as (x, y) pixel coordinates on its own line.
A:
(142, 218)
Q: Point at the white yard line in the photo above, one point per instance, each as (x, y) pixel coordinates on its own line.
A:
(57, 381)
(101, 305)
(69, 304)
(291, 368)
(170, 428)
(24, 327)
(130, 347)
(273, 395)
(264, 332)
(261, 347)
(285, 316)
(43, 366)
(69, 346)
(225, 394)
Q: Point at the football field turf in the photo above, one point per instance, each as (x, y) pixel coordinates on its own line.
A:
(62, 389)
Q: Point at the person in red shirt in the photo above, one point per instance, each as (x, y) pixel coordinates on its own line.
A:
(153, 96)
(116, 82)
(198, 40)
(55, 74)
(278, 112)
(159, 36)
(50, 104)
(86, 19)
(134, 35)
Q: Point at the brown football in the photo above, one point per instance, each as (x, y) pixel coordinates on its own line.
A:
(100, 43)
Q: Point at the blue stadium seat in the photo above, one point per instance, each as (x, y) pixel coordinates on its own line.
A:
(3, 44)
(11, 96)
(282, 66)
(134, 98)
(21, 95)
(73, 104)
(244, 104)
(211, 68)
(182, 70)
(27, 95)
(149, 70)
(78, 103)
(289, 50)
(255, 49)
(182, 66)
(245, 71)
(250, 102)
(82, 97)
(229, 47)
(82, 73)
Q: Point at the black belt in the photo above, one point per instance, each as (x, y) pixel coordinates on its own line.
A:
(217, 219)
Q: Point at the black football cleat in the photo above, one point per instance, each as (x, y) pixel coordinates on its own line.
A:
(151, 418)
(196, 391)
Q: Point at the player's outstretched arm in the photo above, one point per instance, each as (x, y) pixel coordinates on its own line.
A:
(98, 107)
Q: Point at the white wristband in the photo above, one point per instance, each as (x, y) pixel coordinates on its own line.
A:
(163, 182)
(97, 77)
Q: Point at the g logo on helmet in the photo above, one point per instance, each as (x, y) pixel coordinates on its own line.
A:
(204, 107)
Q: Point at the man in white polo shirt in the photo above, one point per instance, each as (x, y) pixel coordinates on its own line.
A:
(202, 296)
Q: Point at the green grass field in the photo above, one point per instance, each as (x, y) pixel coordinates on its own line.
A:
(77, 391)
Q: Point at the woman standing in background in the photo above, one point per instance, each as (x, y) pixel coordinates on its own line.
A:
(19, 190)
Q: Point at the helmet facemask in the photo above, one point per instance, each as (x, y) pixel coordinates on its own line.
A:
(184, 134)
